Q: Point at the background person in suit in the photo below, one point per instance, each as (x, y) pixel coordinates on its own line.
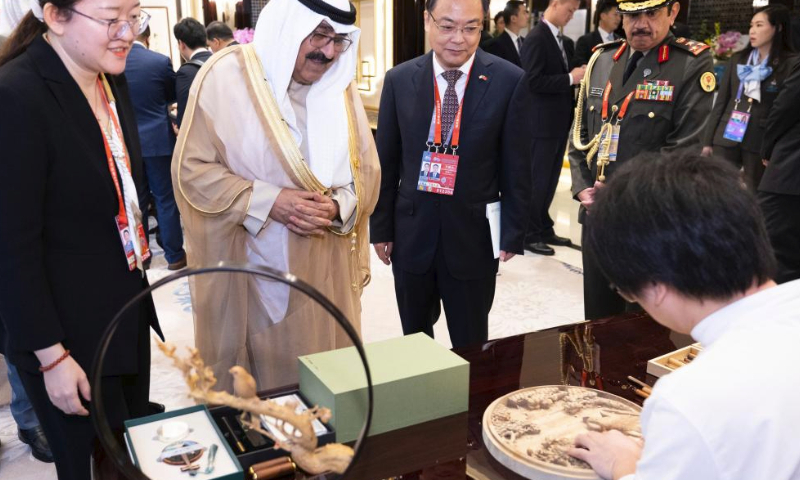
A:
(65, 272)
(551, 84)
(607, 20)
(499, 24)
(192, 43)
(440, 246)
(779, 191)
(152, 88)
(508, 44)
(766, 63)
(219, 36)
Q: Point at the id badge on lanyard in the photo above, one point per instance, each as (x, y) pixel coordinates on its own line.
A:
(609, 134)
(737, 124)
(438, 170)
(126, 232)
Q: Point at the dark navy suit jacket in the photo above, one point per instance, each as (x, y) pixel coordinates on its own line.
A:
(494, 165)
(151, 81)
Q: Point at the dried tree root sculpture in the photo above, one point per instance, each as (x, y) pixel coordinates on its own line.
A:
(303, 448)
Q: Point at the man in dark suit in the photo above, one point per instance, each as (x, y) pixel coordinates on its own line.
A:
(508, 44)
(192, 43)
(440, 245)
(606, 21)
(152, 88)
(779, 190)
(219, 36)
(551, 83)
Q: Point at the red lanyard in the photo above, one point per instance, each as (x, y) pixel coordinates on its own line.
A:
(112, 167)
(624, 108)
(456, 128)
(622, 111)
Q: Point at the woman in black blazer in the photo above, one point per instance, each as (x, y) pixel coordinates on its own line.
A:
(64, 267)
(770, 38)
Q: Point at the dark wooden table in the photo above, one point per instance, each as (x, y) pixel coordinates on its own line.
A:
(599, 354)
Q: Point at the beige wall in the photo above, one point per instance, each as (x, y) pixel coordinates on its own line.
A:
(376, 47)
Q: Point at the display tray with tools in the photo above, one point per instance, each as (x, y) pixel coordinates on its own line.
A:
(668, 363)
(530, 430)
(251, 447)
(180, 443)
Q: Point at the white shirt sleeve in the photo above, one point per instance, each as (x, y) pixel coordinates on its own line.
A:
(347, 200)
(674, 449)
(261, 202)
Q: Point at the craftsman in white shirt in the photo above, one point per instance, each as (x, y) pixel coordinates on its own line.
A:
(734, 412)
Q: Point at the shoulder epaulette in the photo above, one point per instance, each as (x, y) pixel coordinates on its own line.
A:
(615, 43)
(692, 46)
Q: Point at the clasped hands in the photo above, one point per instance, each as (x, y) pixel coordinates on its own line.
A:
(304, 213)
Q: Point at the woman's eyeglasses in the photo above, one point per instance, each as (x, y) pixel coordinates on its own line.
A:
(119, 28)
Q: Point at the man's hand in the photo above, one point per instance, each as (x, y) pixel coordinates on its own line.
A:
(304, 213)
(765, 162)
(506, 256)
(577, 74)
(707, 151)
(612, 454)
(586, 197)
(384, 251)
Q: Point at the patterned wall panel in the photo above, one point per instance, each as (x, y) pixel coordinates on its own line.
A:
(732, 14)
(256, 7)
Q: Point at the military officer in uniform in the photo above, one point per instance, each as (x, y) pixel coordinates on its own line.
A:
(650, 92)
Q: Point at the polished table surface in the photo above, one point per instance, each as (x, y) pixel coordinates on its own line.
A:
(598, 354)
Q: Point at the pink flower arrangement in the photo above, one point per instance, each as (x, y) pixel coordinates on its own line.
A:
(724, 45)
(244, 35)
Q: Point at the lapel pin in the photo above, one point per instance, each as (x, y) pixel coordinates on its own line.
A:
(483, 78)
(647, 72)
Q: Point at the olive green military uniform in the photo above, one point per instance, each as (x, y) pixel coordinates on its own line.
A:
(672, 89)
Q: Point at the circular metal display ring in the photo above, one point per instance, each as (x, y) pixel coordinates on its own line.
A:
(105, 434)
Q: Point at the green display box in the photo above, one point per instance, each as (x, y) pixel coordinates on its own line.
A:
(415, 380)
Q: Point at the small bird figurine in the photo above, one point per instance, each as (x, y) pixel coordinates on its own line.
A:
(244, 385)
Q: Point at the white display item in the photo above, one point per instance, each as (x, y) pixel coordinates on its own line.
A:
(281, 432)
(529, 431)
(147, 447)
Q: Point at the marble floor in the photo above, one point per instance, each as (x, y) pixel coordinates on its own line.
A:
(533, 292)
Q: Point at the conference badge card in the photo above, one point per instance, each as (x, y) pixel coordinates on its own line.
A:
(438, 173)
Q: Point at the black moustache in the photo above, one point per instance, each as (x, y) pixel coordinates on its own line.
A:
(318, 57)
(641, 32)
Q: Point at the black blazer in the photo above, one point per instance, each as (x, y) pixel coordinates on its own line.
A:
(726, 99)
(65, 275)
(493, 166)
(782, 140)
(183, 81)
(548, 80)
(583, 49)
(504, 48)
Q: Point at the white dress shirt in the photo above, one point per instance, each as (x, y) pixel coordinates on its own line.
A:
(734, 412)
(514, 38)
(556, 33)
(605, 36)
